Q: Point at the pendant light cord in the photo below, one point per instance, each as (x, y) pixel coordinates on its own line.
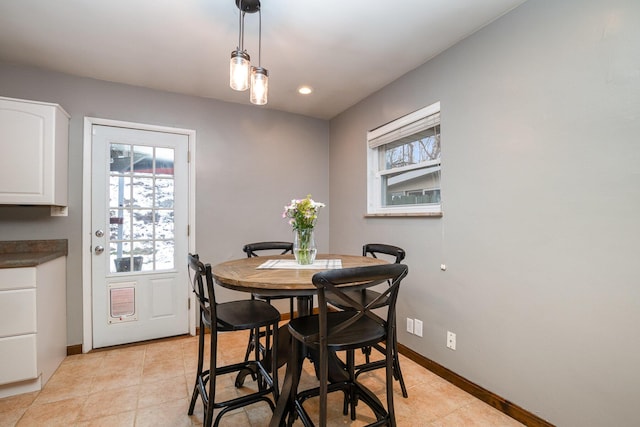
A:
(240, 26)
(259, 36)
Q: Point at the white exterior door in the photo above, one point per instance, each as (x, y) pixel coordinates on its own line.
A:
(139, 234)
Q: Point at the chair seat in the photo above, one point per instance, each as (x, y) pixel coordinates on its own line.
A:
(243, 315)
(364, 331)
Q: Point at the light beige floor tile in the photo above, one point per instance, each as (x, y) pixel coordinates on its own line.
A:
(19, 401)
(63, 388)
(123, 419)
(62, 413)
(116, 378)
(130, 357)
(258, 413)
(169, 414)
(428, 402)
(86, 358)
(109, 402)
(476, 414)
(157, 370)
(167, 390)
(163, 351)
(9, 417)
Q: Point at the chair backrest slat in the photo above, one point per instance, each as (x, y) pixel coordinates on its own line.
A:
(251, 249)
(380, 248)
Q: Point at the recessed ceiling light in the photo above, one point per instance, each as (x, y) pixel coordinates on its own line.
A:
(305, 90)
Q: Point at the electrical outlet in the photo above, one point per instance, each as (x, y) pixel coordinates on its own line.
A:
(409, 325)
(417, 327)
(451, 340)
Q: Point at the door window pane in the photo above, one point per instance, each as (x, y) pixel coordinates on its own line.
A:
(143, 224)
(119, 191)
(164, 161)
(164, 224)
(120, 257)
(120, 158)
(142, 160)
(144, 250)
(120, 224)
(164, 255)
(142, 192)
(164, 193)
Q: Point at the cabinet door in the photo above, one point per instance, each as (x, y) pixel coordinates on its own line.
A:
(33, 165)
(18, 359)
(17, 312)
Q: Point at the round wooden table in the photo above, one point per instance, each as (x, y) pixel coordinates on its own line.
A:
(244, 275)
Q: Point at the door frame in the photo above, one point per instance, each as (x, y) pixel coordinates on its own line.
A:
(87, 311)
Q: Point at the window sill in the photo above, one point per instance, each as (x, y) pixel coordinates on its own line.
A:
(406, 215)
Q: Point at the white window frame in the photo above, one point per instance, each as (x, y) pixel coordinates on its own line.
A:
(389, 133)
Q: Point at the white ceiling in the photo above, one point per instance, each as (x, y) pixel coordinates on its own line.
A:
(344, 49)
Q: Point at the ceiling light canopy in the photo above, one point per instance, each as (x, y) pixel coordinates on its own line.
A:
(242, 75)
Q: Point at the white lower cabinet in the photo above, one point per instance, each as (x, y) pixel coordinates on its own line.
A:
(33, 326)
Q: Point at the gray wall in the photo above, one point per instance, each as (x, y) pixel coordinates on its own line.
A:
(541, 193)
(250, 163)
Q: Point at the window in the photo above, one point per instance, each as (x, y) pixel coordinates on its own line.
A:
(141, 195)
(404, 164)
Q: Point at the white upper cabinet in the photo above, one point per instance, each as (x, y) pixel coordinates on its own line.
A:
(34, 153)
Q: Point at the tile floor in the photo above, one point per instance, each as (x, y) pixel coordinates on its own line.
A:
(150, 385)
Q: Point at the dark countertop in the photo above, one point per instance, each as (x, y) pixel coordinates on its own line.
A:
(30, 253)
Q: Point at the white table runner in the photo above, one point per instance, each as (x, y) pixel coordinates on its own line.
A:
(319, 264)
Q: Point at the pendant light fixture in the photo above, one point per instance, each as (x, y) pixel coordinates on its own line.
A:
(241, 74)
(240, 60)
(259, 75)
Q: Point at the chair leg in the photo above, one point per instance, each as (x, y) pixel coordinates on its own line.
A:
(274, 362)
(211, 394)
(389, 375)
(353, 398)
(196, 388)
(367, 354)
(397, 373)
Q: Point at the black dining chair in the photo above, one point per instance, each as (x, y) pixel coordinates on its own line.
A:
(231, 316)
(258, 249)
(394, 254)
(330, 331)
(255, 250)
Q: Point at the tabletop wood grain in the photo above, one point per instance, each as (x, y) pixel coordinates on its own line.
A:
(243, 274)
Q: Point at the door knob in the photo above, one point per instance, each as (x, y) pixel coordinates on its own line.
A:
(99, 249)
(99, 233)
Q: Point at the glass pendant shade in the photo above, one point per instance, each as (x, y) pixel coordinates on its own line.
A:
(259, 85)
(239, 70)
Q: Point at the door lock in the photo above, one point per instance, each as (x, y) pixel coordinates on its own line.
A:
(99, 249)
